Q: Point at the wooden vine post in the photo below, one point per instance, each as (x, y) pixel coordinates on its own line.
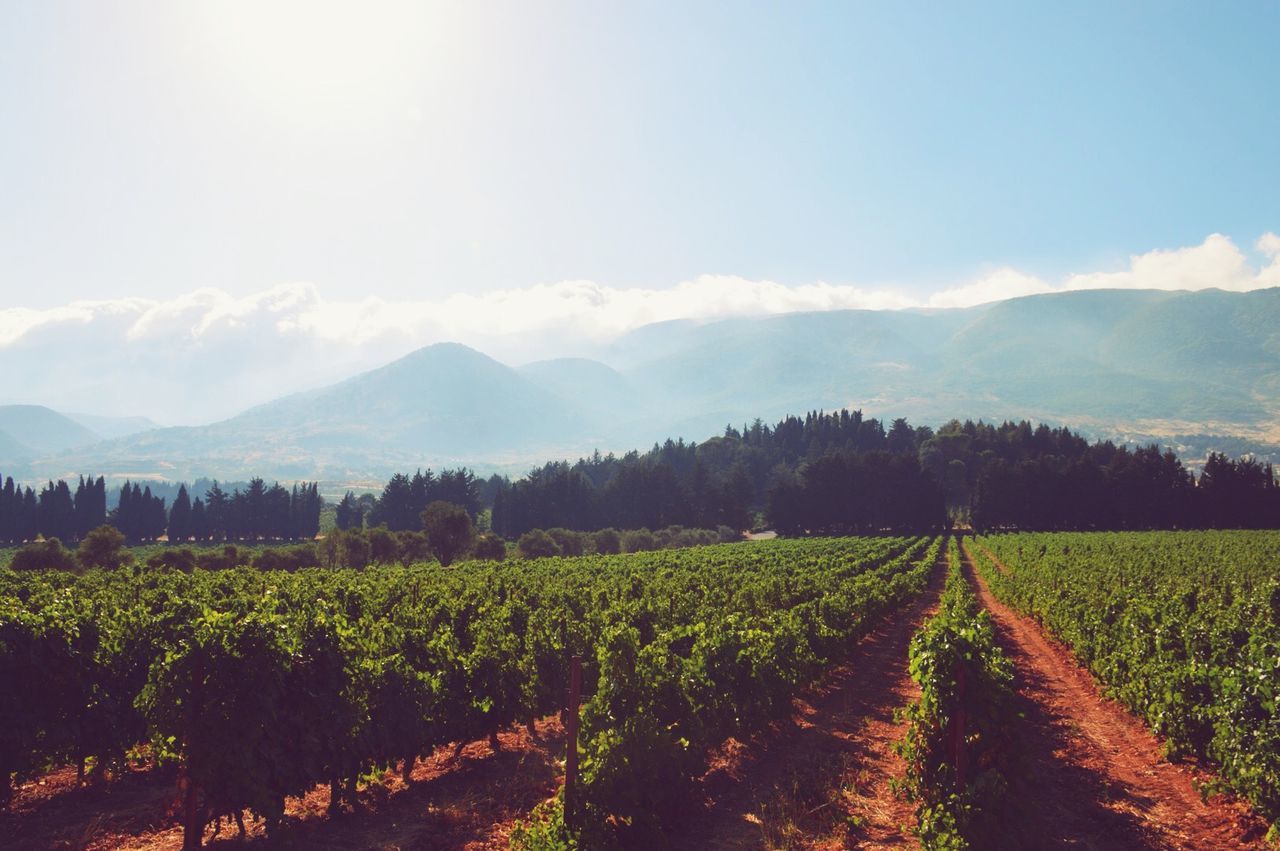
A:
(571, 741)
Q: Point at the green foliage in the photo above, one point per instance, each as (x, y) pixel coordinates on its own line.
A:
(44, 555)
(537, 544)
(955, 746)
(181, 558)
(264, 683)
(297, 557)
(1182, 627)
(489, 547)
(545, 830)
(449, 530)
(607, 542)
(104, 548)
(638, 541)
(571, 543)
(674, 684)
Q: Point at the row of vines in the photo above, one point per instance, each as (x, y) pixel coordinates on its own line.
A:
(956, 746)
(1183, 628)
(263, 684)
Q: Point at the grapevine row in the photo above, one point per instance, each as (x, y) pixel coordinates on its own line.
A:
(956, 746)
(1183, 628)
(263, 684)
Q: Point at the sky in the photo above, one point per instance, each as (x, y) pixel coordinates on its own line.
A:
(356, 179)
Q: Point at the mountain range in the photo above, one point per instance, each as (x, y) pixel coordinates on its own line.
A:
(1199, 369)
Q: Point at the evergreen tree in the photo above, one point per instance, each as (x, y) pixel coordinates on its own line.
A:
(199, 521)
(180, 516)
(347, 515)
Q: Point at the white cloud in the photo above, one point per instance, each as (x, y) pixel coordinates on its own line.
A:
(994, 286)
(1215, 263)
(1269, 244)
(206, 353)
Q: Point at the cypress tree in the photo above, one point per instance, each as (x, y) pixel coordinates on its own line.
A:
(180, 516)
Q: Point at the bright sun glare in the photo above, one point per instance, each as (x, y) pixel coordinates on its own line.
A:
(305, 60)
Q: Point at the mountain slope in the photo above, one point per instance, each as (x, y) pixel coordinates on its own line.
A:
(1132, 363)
(42, 429)
(109, 428)
(11, 450)
(442, 404)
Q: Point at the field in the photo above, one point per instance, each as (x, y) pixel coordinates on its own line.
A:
(814, 693)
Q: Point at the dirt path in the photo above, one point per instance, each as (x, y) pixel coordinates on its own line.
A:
(1090, 774)
(823, 780)
(467, 802)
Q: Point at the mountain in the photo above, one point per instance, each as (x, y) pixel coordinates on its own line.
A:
(1201, 369)
(109, 428)
(12, 449)
(43, 430)
(1147, 361)
(608, 406)
(439, 405)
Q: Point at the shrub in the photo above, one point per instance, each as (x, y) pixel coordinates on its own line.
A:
(728, 535)
(226, 559)
(44, 555)
(638, 541)
(570, 543)
(182, 559)
(489, 547)
(104, 548)
(537, 544)
(449, 530)
(607, 542)
(288, 558)
(414, 547)
(383, 546)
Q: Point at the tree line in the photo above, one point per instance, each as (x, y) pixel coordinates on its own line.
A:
(55, 512)
(839, 472)
(256, 512)
(399, 508)
(1139, 489)
(825, 472)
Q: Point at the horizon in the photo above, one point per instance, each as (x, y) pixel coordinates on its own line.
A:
(270, 183)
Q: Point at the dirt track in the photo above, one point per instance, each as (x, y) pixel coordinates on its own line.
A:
(1091, 774)
(823, 781)
(467, 802)
(1088, 774)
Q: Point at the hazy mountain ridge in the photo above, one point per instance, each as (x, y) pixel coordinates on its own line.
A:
(42, 430)
(1149, 363)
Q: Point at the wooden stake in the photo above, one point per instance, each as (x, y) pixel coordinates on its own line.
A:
(571, 741)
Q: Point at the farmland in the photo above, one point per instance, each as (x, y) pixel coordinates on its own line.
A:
(1182, 628)
(266, 693)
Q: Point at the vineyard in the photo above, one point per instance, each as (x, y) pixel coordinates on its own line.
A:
(252, 688)
(1181, 627)
(262, 684)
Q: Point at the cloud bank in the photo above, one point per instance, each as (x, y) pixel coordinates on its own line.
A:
(206, 354)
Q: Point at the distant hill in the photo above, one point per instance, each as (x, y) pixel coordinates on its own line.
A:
(1113, 363)
(43, 430)
(112, 427)
(12, 449)
(442, 404)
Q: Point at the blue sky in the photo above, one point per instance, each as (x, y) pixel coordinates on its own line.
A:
(412, 152)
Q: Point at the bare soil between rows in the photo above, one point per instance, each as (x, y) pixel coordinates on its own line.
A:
(467, 802)
(1086, 774)
(823, 779)
(1089, 774)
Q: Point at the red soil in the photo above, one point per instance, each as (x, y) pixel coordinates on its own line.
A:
(1090, 774)
(822, 781)
(466, 802)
